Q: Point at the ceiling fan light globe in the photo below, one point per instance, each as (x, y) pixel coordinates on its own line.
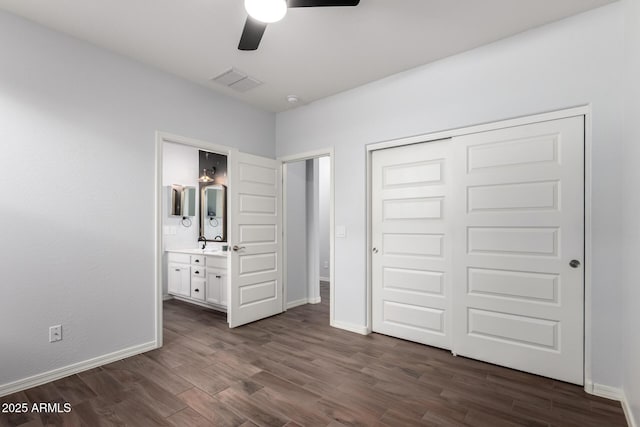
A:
(267, 11)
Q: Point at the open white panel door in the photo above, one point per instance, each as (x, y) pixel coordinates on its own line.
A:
(255, 198)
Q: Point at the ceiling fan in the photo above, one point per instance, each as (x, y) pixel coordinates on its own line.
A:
(263, 12)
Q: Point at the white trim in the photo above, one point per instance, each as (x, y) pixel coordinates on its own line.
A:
(325, 152)
(161, 138)
(482, 127)
(613, 393)
(368, 239)
(308, 155)
(313, 231)
(167, 297)
(583, 110)
(315, 300)
(158, 274)
(296, 303)
(588, 255)
(626, 407)
(324, 279)
(601, 390)
(209, 305)
(285, 249)
(65, 371)
(192, 142)
(358, 329)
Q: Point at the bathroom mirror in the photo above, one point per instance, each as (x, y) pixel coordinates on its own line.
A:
(213, 210)
(183, 201)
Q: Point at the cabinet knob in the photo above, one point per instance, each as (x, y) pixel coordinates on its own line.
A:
(197, 260)
(197, 272)
(218, 277)
(196, 290)
(177, 269)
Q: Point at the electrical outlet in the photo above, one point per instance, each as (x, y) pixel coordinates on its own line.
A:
(55, 333)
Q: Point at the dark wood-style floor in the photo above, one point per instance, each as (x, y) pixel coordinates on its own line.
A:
(295, 370)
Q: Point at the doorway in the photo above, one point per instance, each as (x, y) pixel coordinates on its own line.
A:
(251, 257)
(308, 224)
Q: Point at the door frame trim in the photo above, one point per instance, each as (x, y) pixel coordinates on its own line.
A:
(309, 155)
(581, 110)
(161, 138)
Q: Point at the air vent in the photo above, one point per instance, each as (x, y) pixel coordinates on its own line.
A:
(237, 80)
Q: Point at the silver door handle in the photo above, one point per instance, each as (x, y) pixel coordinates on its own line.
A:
(237, 248)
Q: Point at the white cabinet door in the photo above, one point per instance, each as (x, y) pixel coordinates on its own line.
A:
(520, 221)
(255, 219)
(179, 280)
(216, 287)
(411, 236)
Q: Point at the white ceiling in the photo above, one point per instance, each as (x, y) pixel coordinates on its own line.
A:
(312, 53)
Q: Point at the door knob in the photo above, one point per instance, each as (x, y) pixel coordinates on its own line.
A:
(574, 263)
(237, 248)
(374, 250)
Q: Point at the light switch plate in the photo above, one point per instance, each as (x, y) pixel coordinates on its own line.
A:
(341, 231)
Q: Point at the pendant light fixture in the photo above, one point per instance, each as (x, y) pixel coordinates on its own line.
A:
(205, 175)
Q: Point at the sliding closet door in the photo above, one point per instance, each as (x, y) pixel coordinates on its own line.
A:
(478, 245)
(411, 236)
(518, 278)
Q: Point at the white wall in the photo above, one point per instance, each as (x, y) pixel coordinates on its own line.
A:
(180, 166)
(571, 62)
(296, 217)
(324, 177)
(631, 207)
(77, 144)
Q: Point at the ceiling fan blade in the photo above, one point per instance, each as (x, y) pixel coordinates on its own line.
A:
(321, 3)
(251, 34)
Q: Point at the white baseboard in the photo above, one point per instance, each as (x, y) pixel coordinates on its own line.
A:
(74, 368)
(613, 393)
(296, 303)
(166, 297)
(324, 279)
(303, 301)
(608, 392)
(626, 407)
(362, 330)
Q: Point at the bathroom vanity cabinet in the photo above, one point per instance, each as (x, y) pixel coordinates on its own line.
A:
(198, 277)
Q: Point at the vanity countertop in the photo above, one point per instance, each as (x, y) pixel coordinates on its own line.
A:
(206, 252)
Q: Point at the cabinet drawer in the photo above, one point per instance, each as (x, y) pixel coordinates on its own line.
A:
(218, 262)
(198, 260)
(179, 258)
(197, 288)
(197, 271)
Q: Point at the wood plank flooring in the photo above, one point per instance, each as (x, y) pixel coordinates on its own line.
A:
(295, 370)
